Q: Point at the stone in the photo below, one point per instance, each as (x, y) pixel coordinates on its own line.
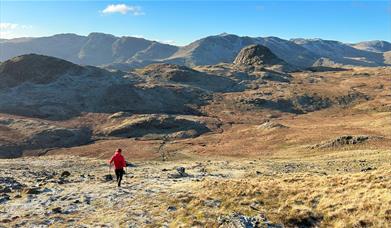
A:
(6, 220)
(367, 169)
(57, 210)
(32, 191)
(237, 220)
(5, 189)
(181, 171)
(120, 115)
(4, 198)
(10, 182)
(212, 203)
(46, 190)
(108, 177)
(65, 174)
(128, 164)
(171, 208)
(271, 125)
(85, 199)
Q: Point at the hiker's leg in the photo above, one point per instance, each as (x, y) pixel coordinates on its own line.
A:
(117, 174)
(121, 173)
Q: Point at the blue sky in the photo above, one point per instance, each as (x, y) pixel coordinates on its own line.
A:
(180, 22)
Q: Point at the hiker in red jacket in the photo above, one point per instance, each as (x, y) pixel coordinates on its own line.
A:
(119, 165)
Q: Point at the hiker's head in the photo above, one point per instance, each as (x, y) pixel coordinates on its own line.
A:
(118, 150)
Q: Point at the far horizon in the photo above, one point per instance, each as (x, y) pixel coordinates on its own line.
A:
(211, 35)
(180, 23)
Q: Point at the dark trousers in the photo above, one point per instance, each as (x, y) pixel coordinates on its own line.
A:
(119, 173)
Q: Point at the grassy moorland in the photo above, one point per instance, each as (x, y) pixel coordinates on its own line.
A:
(324, 167)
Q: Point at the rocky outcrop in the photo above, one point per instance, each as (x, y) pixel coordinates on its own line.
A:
(282, 105)
(269, 75)
(37, 69)
(321, 68)
(345, 140)
(311, 103)
(32, 84)
(183, 75)
(271, 125)
(326, 62)
(261, 56)
(257, 55)
(36, 137)
(304, 103)
(160, 127)
(237, 220)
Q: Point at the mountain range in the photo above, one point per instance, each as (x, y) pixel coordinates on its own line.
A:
(162, 99)
(125, 52)
(47, 102)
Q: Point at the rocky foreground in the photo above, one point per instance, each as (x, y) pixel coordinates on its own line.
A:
(333, 189)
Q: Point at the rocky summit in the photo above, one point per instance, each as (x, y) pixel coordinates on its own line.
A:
(261, 56)
(37, 69)
(257, 55)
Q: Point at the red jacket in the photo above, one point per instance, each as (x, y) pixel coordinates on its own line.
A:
(119, 161)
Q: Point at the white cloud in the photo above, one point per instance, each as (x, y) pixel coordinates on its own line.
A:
(8, 26)
(172, 42)
(12, 30)
(5, 35)
(138, 36)
(26, 26)
(123, 9)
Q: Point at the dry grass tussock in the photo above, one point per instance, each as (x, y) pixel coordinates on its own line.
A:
(360, 199)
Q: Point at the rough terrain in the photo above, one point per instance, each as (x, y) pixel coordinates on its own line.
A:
(340, 188)
(260, 144)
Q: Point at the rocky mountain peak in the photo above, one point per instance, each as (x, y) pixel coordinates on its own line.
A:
(257, 55)
(100, 35)
(374, 46)
(35, 68)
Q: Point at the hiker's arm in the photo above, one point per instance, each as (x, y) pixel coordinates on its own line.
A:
(110, 162)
